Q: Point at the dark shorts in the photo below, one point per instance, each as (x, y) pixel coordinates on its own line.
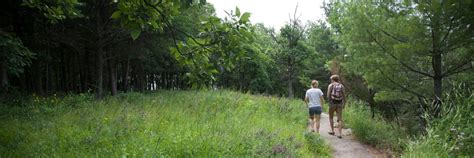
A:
(336, 103)
(315, 110)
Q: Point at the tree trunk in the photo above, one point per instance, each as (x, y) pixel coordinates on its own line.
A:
(372, 102)
(100, 73)
(99, 25)
(162, 80)
(147, 82)
(126, 74)
(168, 80)
(290, 82)
(140, 77)
(75, 73)
(64, 73)
(396, 114)
(437, 78)
(241, 76)
(38, 79)
(290, 87)
(437, 83)
(81, 76)
(84, 72)
(113, 77)
(436, 64)
(3, 77)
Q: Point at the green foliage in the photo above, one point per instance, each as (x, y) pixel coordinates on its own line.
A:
(138, 15)
(245, 17)
(14, 53)
(166, 123)
(452, 134)
(317, 145)
(293, 55)
(219, 43)
(373, 131)
(135, 33)
(256, 70)
(321, 43)
(395, 46)
(56, 10)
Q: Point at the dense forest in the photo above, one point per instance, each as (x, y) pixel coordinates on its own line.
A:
(411, 62)
(109, 47)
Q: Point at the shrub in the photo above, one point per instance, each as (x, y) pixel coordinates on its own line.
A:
(451, 135)
(373, 131)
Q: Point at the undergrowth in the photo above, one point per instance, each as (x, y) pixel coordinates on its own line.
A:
(165, 123)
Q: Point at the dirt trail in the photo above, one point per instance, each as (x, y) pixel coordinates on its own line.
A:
(347, 147)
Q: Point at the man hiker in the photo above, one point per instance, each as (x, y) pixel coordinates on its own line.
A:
(337, 99)
(314, 101)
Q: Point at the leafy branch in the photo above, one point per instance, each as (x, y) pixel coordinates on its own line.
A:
(396, 58)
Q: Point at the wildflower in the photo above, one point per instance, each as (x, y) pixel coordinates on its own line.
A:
(453, 129)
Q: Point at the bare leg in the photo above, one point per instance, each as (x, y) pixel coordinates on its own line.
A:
(314, 124)
(331, 117)
(339, 117)
(311, 122)
(317, 119)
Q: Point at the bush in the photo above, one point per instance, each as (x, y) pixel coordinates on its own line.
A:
(374, 131)
(451, 135)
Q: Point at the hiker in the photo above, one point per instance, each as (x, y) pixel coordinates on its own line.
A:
(337, 99)
(314, 100)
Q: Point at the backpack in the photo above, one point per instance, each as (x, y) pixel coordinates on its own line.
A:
(336, 91)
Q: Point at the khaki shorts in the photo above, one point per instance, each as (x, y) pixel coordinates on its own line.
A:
(334, 103)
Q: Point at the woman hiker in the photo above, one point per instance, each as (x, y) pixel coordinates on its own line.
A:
(337, 99)
(314, 101)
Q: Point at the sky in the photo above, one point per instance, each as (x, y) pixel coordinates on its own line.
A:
(272, 13)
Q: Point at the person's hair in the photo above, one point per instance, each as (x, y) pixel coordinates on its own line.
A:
(335, 78)
(314, 83)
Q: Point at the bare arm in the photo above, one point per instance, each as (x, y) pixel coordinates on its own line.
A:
(321, 100)
(329, 92)
(343, 95)
(306, 100)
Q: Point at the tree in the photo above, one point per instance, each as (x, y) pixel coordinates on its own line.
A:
(102, 31)
(402, 48)
(293, 50)
(320, 40)
(14, 56)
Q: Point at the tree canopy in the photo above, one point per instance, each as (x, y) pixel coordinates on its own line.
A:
(406, 50)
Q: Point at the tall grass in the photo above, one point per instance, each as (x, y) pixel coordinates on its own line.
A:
(373, 131)
(166, 123)
(452, 134)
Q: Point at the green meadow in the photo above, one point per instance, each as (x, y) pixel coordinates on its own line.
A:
(159, 124)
